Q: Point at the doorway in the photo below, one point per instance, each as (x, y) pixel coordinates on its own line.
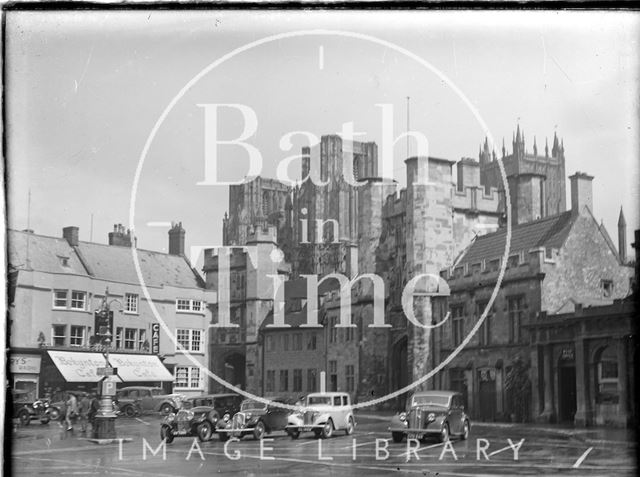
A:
(566, 393)
(399, 370)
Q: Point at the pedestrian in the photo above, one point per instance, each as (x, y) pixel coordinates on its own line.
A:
(72, 410)
(94, 408)
(84, 407)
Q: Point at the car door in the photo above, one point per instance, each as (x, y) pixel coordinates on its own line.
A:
(338, 413)
(147, 401)
(276, 417)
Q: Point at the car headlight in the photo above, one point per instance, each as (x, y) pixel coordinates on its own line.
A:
(431, 417)
(403, 416)
(171, 416)
(226, 417)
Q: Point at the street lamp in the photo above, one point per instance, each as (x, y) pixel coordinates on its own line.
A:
(104, 424)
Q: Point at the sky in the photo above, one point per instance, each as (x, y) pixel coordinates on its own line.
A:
(85, 90)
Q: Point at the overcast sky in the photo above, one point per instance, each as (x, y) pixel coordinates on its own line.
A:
(84, 91)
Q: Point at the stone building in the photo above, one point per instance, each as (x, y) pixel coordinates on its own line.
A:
(554, 263)
(454, 229)
(59, 282)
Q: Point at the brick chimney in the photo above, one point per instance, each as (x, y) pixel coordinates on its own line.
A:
(72, 235)
(581, 191)
(176, 239)
(120, 237)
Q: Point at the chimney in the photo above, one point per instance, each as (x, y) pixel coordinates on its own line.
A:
(581, 191)
(622, 237)
(71, 234)
(176, 239)
(119, 236)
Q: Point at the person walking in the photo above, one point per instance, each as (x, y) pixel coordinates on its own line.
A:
(72, 410)
(84, 407)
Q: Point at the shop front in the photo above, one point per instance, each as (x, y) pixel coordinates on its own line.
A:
(24, 369)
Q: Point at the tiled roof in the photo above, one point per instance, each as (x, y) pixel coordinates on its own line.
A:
(548, 232)
(105, 262)
(39, 252)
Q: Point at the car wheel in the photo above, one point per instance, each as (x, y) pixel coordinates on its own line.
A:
(166, 434)
(350, 426)
(54, 413)
(205, 430)
(327, 429)
(444, 433)
(24, 417)
(129, 411)
(166, 408)
(465, 431)
(224, 436)
(259, 431)
(317, 433)
(397, 437)
(294, 434)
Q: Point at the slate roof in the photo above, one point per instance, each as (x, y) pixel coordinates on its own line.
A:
(548, 232)
(107, 262)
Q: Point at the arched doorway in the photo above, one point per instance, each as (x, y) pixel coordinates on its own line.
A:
(566, 386)
(399, 369)
(234, 370)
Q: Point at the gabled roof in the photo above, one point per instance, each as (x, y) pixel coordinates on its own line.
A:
(548, 232)
(106, 262)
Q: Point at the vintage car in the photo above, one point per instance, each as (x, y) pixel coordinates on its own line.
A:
(58, 408)
(431, 413)
(148, 399)
(198, 416)
(255, 418)
(323, 414)
(25, 408)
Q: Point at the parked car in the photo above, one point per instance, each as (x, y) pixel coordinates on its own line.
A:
(432, 413)
(198, 416)
(149, 399)
(25, 408)
(324, 413)
(255, 418)
(58, 408)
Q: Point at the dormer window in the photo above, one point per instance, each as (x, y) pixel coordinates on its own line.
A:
(607, 288)
(64, 261)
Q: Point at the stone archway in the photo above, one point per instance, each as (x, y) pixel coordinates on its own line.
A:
(234, 370)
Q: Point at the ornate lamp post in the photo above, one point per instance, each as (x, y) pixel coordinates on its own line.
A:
(105, 420)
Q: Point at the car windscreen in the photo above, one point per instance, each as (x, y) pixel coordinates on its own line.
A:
(431, 400)
(319, 400)
(252, 406)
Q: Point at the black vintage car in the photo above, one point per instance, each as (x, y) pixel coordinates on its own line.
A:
(25, 408)
(255, 418)
(198, 416)
(432, 413)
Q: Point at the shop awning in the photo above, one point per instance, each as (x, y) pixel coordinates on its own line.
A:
(139, 367)
(77, 367)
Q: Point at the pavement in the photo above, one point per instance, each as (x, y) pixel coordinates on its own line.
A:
(492, 449)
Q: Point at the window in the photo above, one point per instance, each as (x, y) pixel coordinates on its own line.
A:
(118, 338)
(457, 324)
(60, 298)
(271, 381)
(607, 288)
(189, 339)
(485, 330)
(493, 265)
(350, 376)
(311, 380)
(333, 331)
(333, 375)
(513, 261)
(269, 343)
(189, 306)
(515, 307)
(187, 377)
(297, 380)
(350, 333)
(297, 342)
(76, 337)
(285, 342)
(78, 300)
(130, 338)
(142, 337)
(312, 341)
(607, 375)
(130, 303)
(58, 335)
(284, 380)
